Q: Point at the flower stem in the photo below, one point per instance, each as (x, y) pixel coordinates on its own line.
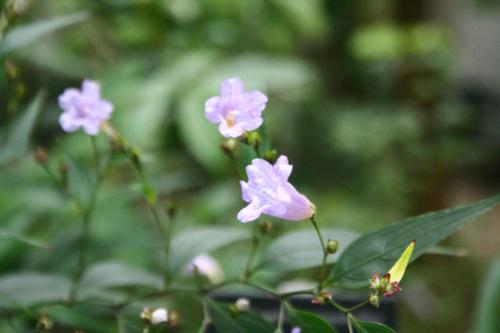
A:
(357, 306)
(349, 323)
(253, 250)
(85, 234)
(325, 254)
(281, 318)
(206, 316)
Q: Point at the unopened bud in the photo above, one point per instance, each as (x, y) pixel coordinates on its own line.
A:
(332, 246)
(40, 155)
(11, 69)
(265, 227)
(253, 139)
(159, 316)
(243, 304)
(374, 300)
(171, 208)
(270, 155)
(116, 144)
(229, 147)
(44, 323)
(322, 298)
(173, 318)
(146, 314)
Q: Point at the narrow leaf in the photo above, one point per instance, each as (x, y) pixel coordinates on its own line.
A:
(28, 289)
(369, 327)
(245, 322)
(23, 35)
(308, 321)
(18, 136)
(301, 249)
(377, 251)
(487, 318)
(7, 235)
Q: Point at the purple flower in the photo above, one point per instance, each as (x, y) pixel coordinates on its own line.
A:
(237, 111)
(268, 191)
(84, 108)
(296, 329)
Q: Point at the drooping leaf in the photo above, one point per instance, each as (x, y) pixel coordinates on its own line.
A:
(193, 241)
(377, 251)
(106, 275)
(308, 321)
(18, 136)
(27, 289)
(79, 183)
(5, 235)
(225, 321)
(23, 35)
(487, 318)
(301, 249)
(369, 327)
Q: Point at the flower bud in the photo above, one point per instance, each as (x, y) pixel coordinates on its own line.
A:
(374, 300)
(270, 155)
(229, 147)
(146, 314)
(242, 304)
(322, 298)
(11, 69)
(252, 139)
(40, 155)
(265, 227)
(171, 208)
(44, 323)
(159, 316)
(173, 318)
(332, 246)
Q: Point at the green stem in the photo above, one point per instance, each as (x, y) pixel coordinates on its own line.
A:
(338, 306)
(281, 318)
(325, 254)
(85, 234)
(357, 306)
(5, 17)
(349, 323)
(206, 316)
(253, 250)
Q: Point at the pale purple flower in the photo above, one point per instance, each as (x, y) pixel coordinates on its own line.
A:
(269, 192)
(296, 329)
(84, 108)
(237, 111)
(159, 316)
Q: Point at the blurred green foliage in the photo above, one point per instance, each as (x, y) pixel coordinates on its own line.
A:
(363, 99)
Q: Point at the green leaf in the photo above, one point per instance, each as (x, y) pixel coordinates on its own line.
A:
(27, 289)
(379, 250)
(106, 275)
(246, 322)
(369, 327)
(79, 183)
(18, 136)
(193, 241)
(308, 321)
(487, 318)
(7, 235)
(301, 249)
(23, 35)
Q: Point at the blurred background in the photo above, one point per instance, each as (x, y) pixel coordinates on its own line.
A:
(386, 109)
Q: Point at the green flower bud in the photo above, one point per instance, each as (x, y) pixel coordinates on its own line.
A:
(375, 300)
(253, 139)
(332, 246)
(44, 323)
(265, 227)
(229, 147)
(270, 155)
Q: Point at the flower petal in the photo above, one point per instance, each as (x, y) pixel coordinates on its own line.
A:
(251, 212)
(213, 109)
(231, 87)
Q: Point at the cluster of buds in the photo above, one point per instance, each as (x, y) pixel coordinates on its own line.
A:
(322, 298)
(388, 284)
(160, 316)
